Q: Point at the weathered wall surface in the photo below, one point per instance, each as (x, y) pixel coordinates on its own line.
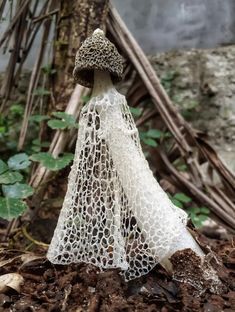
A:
(202, 84)
(161, 25)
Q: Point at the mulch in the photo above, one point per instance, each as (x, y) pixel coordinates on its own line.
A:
(80, 287)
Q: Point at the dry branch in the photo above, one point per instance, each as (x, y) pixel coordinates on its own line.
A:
(185, 137)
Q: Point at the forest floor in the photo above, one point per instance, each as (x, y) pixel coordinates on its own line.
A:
(78, 287)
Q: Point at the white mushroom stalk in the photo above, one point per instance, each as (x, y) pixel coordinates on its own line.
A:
(115, 214)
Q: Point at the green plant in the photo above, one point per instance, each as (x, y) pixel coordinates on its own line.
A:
(10, 126)
(149, 137)
(52, 163)
(48, 70)
(13, 187)
(197, 214)
(168, 78)
(12, 180)
(62, 121)
(136, 111)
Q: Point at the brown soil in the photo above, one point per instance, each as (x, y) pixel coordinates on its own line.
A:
(81, 287)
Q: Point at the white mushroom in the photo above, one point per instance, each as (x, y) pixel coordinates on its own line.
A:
(115, 214)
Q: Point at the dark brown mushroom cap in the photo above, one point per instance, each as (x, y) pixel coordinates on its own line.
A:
(97, 52)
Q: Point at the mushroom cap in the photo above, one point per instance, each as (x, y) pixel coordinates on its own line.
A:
(97, 53)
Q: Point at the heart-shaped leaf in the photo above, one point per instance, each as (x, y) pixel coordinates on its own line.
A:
(17, 190)
(3, 166)
(10, 177)
(54, 164)
(19, 161)
(65, 121)
(182, 198)
(11, 208)
(154, 133)
(57, 124)
(150, 142)
(38, 118)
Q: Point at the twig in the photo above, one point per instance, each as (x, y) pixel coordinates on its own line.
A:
(34, 80)
(40, 18)
(14, 21)
(226, 219)
(30, 238)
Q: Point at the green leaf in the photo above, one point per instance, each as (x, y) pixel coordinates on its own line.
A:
(57, 124)
(39, 143)
(17, 109)
(54, 164)
(17, 190)
(38, 118)
(142, 135)
(182, 198)
(48, 70)
(41, 92)
(3, 129)
(3, 166)
(170, 75)
(11, 208)
(193, 210)
(66, 121)
(182, 167)
(136, 112)
(205, 210)
(19, 161)
(154, 134)
(177, 203)
(10, 177)
(67, 117)
(150, 142)
(198, 220)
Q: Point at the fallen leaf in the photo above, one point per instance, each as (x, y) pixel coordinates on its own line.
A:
(10, 280)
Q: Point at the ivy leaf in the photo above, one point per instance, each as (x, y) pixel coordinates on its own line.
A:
(150, 142)
(142, 135)
(38, 118)
(154, 133)
(10, 177)
(205, 210)
(63, 161)
(66, 117)
(57, 124)
(193, 210)
(11, 208)
(198, 220)
(66, 121)
(19, 161)
(177, 203)
(136, 112)
(182, 198)
(39, 143)
(54, 164)
(17, 190)
(3, 166)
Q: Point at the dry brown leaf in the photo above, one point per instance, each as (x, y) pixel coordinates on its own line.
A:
(10, 280)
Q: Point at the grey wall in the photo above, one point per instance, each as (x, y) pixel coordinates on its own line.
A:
(161, 25)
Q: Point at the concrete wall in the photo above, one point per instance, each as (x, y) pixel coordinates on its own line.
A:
(161, 25)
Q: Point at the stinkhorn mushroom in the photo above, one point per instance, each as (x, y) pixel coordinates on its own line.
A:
(115, 214)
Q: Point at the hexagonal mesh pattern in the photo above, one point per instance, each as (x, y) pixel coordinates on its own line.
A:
(97, 53)
(115, 214)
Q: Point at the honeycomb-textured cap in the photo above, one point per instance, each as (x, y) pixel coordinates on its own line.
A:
(97, 52)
